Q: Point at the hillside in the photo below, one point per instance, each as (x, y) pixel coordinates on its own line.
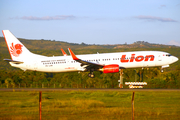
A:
(50, 48)
(56, 45)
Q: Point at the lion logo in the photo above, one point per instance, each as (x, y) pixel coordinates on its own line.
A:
(16, 50)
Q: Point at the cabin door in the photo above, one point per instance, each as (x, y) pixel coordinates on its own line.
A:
(159, 57)
(35, 65)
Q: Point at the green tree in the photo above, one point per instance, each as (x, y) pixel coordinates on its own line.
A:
(8, 82)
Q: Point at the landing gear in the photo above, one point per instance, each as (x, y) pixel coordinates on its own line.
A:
(121, 78)
(91, 74)
(162, 70)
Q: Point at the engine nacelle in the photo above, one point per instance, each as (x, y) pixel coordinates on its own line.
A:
(110, 68)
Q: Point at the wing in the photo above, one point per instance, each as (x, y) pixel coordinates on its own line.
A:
(88, 65)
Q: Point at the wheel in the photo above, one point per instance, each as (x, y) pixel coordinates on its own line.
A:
(162, 70)
(92, 76)
(89, 74)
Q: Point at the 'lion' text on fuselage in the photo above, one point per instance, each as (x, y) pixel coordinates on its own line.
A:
(139, 58)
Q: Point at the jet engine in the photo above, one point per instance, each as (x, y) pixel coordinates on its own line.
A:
(113, 68)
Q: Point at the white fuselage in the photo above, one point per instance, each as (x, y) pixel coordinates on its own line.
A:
(123, 59)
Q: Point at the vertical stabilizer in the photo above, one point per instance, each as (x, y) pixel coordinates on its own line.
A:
(16, 49)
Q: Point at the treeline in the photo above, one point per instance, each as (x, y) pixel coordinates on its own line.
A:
(32, 79)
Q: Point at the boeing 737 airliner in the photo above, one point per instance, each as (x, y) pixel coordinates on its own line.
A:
(22, 58)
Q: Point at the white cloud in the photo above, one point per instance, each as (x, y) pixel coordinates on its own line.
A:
(153, 18)
(57, 17)
(178, 5)
(173, 42)
(162, 6)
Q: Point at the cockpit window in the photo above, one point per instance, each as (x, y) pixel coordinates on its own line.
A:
(168, 55)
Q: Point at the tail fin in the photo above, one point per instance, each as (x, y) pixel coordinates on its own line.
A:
(16, 49)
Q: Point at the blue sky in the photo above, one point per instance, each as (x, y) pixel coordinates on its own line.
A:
(93, 21)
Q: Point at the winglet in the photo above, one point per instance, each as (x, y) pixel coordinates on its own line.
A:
(73, 55)
(64, 53)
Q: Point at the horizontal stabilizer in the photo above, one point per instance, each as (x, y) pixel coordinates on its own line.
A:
(13, 61)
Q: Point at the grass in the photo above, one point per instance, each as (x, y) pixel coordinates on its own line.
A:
(96, 105)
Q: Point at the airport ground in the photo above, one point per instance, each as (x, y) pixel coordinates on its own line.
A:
(80, 89)
(96, 104)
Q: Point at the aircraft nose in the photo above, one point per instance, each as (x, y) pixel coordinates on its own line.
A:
(175, 59)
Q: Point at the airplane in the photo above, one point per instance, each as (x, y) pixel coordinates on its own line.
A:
(22, 58)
